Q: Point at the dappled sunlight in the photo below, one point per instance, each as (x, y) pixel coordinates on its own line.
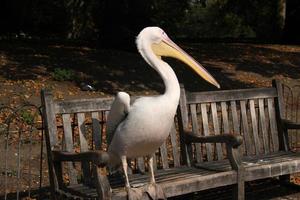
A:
(235, 65)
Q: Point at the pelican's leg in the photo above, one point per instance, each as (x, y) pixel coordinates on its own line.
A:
(150, 163)
(154, 190)
(133, 193)
(125, 165)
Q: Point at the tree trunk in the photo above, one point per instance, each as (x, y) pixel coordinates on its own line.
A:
(281, 13)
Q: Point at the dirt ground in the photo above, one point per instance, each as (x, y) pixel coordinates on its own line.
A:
(27, 66)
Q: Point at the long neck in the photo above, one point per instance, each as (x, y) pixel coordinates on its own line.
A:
(172, 88)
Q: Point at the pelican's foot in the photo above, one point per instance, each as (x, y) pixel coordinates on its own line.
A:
(134, 193)
(155, 192)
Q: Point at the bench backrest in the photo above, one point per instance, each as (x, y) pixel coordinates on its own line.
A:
(80, 125)
(252, 113)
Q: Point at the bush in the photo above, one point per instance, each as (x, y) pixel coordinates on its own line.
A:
(27, 117)
(60, 74)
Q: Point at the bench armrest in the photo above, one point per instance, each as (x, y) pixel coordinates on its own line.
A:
(229, 139)
(288, 124)
(99, 158)
(232, 143)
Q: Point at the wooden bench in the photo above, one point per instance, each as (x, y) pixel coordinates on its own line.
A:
(201, 152)
(255, 114)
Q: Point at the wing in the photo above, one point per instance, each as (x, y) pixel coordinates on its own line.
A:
(118, 112)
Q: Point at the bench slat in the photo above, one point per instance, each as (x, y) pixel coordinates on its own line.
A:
(254, 127)
(273, 127)
(164, 155)
(175, 152)
(195, 129)
(82, 105)
(68, 138)
(216, 129)
(83, 146)
(236, 123)
(141, 164)
(96, 130)
(229, 95)
(225, 117)
(263, 125)
(246, 133)
(206, 131)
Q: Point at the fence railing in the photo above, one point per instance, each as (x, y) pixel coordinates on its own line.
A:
(23, 167)
(23, 161)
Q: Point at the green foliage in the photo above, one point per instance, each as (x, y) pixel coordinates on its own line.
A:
(214, 20)
(27, 117)
(60, 74)
(169, 15)
(107, 19)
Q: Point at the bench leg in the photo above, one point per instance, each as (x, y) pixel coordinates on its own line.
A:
(239, 188)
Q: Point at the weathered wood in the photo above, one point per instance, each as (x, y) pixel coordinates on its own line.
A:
(206, 131)
(230, 95)
(225, 117)
(96, 130)
(82, 105)
(239, 188)
(99, 158)
(195, 129)
(68, 138)
(225, 121)
(263, 126)
(236, 123)
(182, 114)
(164, 156)
(179, 181)
(254, 127)
(141, 164)
(216, 129)
(273, 126)
(102, 184)
(50, 128)
(277, 84)
(280, 114)
(83, 147)
(175, 151)
(246, 134)
(251, 120)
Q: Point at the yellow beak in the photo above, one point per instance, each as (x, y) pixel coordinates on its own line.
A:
(168, 48)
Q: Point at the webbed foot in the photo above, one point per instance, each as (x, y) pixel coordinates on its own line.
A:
(155, 192)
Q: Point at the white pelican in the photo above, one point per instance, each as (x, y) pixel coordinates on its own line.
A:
(141, 128)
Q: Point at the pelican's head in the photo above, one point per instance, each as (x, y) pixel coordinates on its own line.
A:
(162, 45)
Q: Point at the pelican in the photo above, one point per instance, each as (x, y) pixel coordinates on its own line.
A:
(141, 128)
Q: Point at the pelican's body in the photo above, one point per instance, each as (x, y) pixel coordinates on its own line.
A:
(141, 128)
(148, 121)
(141, 136)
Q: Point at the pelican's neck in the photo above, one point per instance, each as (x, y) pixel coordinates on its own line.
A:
(172, 88)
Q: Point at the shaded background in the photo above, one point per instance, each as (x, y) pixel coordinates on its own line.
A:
(119, 21)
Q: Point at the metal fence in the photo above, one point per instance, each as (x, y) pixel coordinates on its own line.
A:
(23, 161)
(23, 167)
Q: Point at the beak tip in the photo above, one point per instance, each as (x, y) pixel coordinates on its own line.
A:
(217, 85)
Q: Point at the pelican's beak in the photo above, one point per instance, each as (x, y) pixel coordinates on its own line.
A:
(168, 48)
